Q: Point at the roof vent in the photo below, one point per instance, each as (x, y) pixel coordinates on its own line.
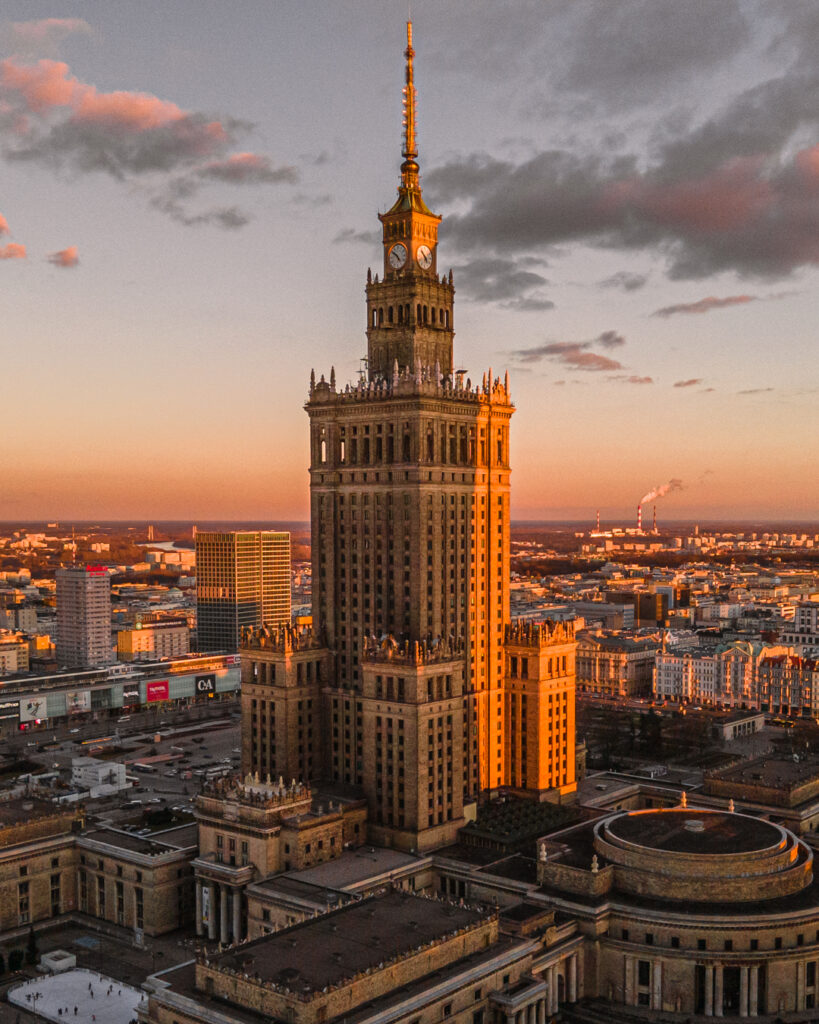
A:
(695, 825)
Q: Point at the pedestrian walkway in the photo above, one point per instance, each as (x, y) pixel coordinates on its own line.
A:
(78, 997)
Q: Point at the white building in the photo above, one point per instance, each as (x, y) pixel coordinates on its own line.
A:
(89, 773)
(727, 674)
(84, 617)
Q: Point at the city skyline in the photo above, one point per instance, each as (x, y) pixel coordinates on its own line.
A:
(627, 208)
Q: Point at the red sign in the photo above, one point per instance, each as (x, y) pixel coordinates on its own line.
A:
(157, 691)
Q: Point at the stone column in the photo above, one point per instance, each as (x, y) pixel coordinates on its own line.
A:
(555, 989)
(628, 982)
(753, 995)
(709, 991)
(200, 925)
(573, 978)
(800, 985)
(657, 985)
(743, 991)
(532, 1015)
(718, 990)
(510, 1018)
(237, 915)
(224, 921)
(212, 911)
(541, 1011)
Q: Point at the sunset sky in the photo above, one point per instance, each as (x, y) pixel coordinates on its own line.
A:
(630, 194)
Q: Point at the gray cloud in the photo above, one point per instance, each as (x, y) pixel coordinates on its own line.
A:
(508, 282)
(625, 281)
(49, 117)
(690, 383)
(755, 391)
(624, 52)
(352, 235)
(736, 190)
(576, 354)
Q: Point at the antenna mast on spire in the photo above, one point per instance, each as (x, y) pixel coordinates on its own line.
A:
(410, 149)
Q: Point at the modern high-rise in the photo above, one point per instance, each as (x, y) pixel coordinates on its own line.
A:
(400, 690)
(84, 617)
(242, 579)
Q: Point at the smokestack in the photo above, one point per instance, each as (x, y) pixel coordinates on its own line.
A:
(639, 518)
(654, 523)
(598, 520)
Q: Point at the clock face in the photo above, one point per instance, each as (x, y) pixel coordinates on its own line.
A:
(424, 257)
(398, 256)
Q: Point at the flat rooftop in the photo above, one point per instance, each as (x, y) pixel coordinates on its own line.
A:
(152, 846)
(774, 772)
(327, 950)
(690, 830)
(355, 866)
(29, 808)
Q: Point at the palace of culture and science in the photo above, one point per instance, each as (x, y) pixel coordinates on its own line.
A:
(412, 684)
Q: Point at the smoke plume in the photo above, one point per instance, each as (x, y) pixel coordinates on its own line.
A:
(661, 491)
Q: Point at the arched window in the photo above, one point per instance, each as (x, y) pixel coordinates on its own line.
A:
(375, 318)
(389, 314)
(426, 314)
(441, 319)
(407, 313)
(433, 314)
(418, 313)
(447, 318)
(323, 450)
(380, 317)
(400, 314)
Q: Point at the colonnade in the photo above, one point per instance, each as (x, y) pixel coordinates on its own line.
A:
(748, 990)
(224, 902)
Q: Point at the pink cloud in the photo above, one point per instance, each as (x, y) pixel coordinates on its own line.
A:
(65, 258)
(41, 86)
(4, 225)
(12, 251)
(705, 305)
(45, 33)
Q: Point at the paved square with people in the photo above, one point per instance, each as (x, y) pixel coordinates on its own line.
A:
(78, 997)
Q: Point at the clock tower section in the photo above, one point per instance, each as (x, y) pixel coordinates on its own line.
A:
(409, 307)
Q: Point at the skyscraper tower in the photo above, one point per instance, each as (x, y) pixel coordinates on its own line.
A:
(242, 579)
(409, 480)
(84, 617)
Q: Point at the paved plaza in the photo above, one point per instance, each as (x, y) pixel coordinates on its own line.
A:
(78, 997)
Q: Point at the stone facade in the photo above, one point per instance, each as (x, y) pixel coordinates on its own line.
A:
(540, 708)
(50, 865)
(402, 689)
(250, 829)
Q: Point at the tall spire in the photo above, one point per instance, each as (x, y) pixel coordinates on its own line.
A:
(409, 168)
(410, 150)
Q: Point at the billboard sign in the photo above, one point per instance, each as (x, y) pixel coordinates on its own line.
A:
(233, 659)
(157, 690)
(78, 703)
(206, 684)
(130, 693)
(33, 709)
(9, 708)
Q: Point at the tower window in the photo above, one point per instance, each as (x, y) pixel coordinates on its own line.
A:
(426, 314)
(389, 314)
(400, 314)
(418, 315)
(375, 318)
(380, 316)
(433, 314)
